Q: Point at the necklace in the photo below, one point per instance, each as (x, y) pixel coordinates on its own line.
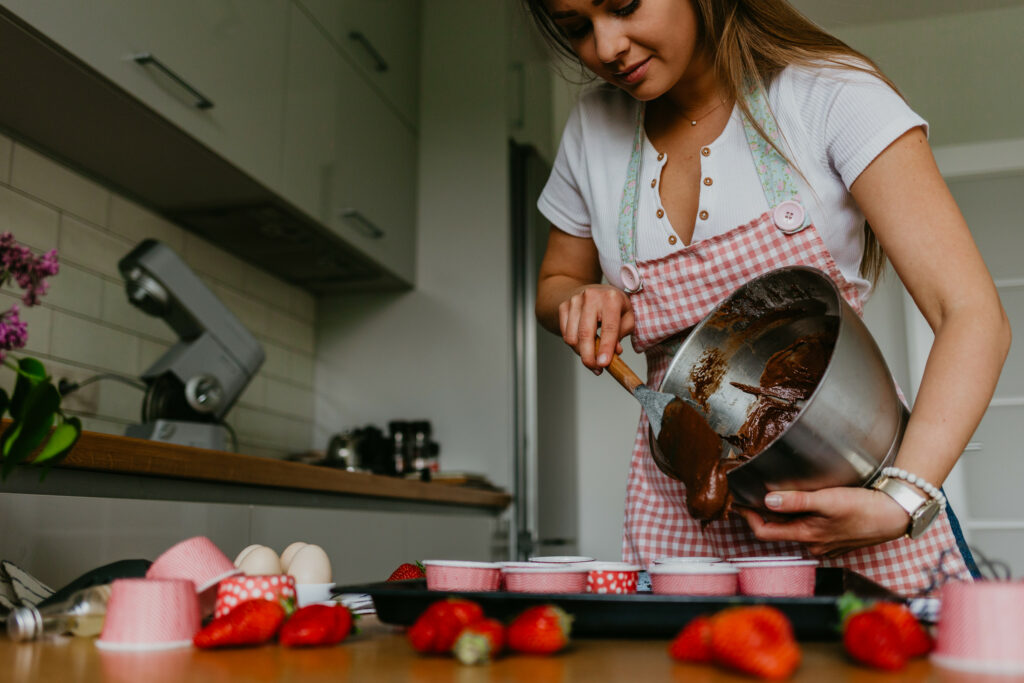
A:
(693, 122)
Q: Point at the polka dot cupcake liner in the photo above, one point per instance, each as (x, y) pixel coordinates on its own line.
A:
(235, 590)
(615, 578)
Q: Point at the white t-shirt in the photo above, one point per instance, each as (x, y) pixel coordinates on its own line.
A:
(835, 122)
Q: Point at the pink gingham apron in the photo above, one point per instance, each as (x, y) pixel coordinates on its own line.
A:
(669, 296)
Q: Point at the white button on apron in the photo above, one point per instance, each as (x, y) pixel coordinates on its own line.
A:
(789, 216)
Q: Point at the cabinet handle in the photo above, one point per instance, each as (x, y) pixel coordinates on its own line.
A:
(201, 100)
(360, 38)
(362, 223)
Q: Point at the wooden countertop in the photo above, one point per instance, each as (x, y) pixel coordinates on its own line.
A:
(381, 653)
(125, 455)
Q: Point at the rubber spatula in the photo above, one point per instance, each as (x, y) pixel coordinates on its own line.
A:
(653, 402)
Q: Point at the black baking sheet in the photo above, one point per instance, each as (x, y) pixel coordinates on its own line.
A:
(642, 615)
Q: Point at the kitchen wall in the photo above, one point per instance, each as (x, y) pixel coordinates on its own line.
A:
(85, 325)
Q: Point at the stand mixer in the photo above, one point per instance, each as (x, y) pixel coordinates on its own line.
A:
(194, 384)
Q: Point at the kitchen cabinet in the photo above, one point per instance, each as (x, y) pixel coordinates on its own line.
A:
(381, 39)
(349, 159)
(216, 70)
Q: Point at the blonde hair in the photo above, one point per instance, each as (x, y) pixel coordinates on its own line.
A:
(752, 41)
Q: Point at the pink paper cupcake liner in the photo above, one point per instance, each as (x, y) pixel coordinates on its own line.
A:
(980, 627)
(781, 578)
(693, 578)
(550, 579)
(455, 575)
(150, 614)
(197, 559)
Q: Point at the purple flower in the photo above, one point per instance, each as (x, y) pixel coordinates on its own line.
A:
(13, 331)
(28, 270)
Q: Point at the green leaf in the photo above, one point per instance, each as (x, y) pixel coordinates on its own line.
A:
(35, 421)
(30, 373)
(5, 401)
(62, 439)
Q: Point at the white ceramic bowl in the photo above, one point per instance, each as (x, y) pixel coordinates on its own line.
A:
(312, 593)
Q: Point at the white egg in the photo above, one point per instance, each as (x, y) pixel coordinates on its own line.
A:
(261, 561)
(289, 554)
(245, 551)
(310, 565)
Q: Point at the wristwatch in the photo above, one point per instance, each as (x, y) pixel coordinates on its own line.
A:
(922, 509)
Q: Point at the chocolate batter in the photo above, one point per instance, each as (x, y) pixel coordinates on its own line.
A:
(695, 451)
(790, 375)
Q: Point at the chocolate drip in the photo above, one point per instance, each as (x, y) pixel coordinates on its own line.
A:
(696, 451)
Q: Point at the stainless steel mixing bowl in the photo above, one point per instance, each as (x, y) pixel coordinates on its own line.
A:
(847, 430)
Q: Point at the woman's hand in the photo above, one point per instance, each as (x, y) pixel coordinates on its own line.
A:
(593, 307)
(830, 521)
(572, 303)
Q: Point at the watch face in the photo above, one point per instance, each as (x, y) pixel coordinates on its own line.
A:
(923, 518)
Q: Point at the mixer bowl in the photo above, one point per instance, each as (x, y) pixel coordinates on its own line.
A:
(845, 432)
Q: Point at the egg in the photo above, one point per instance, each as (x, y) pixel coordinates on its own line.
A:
(245, 551)
(260, 561)
(289, 554)
(310, 565)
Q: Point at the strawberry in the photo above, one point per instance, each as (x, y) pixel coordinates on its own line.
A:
(540, 630)
(436, 629)
(756, 640)
(480, 642)
(407, 570)
(316, 625)
(693, 644)
(250, 623)
(884, 634)
(871, 638)
(916, 641)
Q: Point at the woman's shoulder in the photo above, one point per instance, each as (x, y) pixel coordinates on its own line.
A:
(603, 113)
(822, 80)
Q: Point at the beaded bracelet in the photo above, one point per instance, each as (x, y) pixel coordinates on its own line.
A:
(932, 491)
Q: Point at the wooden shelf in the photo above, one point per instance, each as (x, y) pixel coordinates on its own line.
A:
(140, 457)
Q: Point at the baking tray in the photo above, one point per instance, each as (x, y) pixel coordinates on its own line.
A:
(641, 615)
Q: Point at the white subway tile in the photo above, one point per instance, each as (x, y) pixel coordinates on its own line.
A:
(300, 368)
(83, 341)
(87, 246)
(213, 261)
(288, 398)
(290, 332)
(30, 221)
(52, 182)
(149, 353)
(255, 393)
(276, 362)
(76, 290)
(117, 310)
(250, 312)
(267, 288)
(119, 401)
(136, 223)
(303, 305)
(6, 149)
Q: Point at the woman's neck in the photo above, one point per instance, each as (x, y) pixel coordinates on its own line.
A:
(697, 93)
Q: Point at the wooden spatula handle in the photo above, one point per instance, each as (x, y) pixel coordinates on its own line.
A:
(624, 374)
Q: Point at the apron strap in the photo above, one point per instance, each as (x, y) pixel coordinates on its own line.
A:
(628, 208)
(777, 178)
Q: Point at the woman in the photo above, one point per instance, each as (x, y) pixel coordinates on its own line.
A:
(739, 138)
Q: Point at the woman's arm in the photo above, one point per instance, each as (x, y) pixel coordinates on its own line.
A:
(924, 235)
(572, 303)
